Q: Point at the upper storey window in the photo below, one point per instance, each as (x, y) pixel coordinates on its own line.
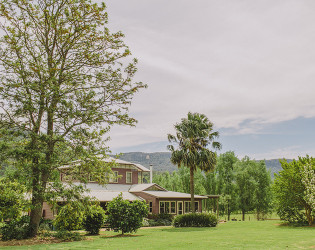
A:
(128, 177)
(114, 177)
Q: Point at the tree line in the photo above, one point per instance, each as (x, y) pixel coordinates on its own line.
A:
(244, 185)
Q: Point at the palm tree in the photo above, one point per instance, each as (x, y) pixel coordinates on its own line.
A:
(193, 135)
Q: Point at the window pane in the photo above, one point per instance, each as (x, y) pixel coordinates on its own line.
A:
(167, 207)
(150, 206)
(162, 207)
(128, 177)
(196, 206)
(187, 206)
(173, 207)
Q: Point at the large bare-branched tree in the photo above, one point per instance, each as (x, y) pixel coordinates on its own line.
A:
(64, 81)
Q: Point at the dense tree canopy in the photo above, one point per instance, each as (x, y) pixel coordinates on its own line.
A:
(291, 189)
(63, 84)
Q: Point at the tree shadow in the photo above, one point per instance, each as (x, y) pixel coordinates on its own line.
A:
(187, 229)
(121, 236)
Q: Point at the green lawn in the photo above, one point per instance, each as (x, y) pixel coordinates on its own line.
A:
(230, 235)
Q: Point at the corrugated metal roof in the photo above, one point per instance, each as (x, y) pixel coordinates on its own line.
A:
(109, 187)
(102, 195)
(171, 194)
(142, 187)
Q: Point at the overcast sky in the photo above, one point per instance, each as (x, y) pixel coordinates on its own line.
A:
(248, 65)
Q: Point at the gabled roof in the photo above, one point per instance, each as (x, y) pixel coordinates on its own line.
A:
(143, 187)
(118, 161)
(171, 194)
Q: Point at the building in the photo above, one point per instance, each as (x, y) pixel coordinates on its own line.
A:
(128, 179)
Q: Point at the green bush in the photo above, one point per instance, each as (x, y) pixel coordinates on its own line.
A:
(94, 219)
(70, 217)
(12, 200)
(15, 229)
(46, 224)
(159, 222)
(126, 216)
(195, 220)
(68, 236)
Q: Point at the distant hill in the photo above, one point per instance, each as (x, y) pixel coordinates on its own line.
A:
(161, 161)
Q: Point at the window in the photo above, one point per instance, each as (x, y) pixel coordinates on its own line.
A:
(167, 207)
(162, 207)
(173, 207)
(180, 207)
(114, 177)
(150, 207)
(140, 179)
(196, 206)
(187, 206)
(128, 177)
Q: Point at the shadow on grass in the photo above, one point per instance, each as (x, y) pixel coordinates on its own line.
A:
(287, 225)
(121, 236)
(187, 229)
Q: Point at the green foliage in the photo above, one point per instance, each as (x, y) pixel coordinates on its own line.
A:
(65, 81)
(225, 178)
(193, 135)
(70, 217)
(290, 192)
(253, 187)
(68, 236)
(126, 216)
(94, 219)
(15, 229)
(12, 200)
(160, 219)
(195, 220)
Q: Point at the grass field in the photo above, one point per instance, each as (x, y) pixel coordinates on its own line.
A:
(230, 235)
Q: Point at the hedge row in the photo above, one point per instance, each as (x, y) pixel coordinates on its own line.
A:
(195, 220)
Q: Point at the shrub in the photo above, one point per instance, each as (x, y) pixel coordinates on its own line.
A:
(12, 202)
(15, 229)
(159, 222)
(94, 219)
(68, 236)
(70, 217)
(46, 224)
(195, 220)
(126, 216)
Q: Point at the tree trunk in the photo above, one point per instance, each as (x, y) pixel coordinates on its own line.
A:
(192, 190)
(308, 214)
(243, 215)
(36, 214)
(228, 211)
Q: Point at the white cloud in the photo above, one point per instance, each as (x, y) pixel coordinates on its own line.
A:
(232, 60)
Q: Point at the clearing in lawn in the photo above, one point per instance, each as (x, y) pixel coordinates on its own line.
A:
(239, 235)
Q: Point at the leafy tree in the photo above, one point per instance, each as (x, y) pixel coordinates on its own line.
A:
(63, 84)
(263, 195)
(94, 219)
(70, 217)
(12, 200)
(126, 216)
(246, 185)
(226, 180)
(308, 179)
(193, 135)
(290, 191)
